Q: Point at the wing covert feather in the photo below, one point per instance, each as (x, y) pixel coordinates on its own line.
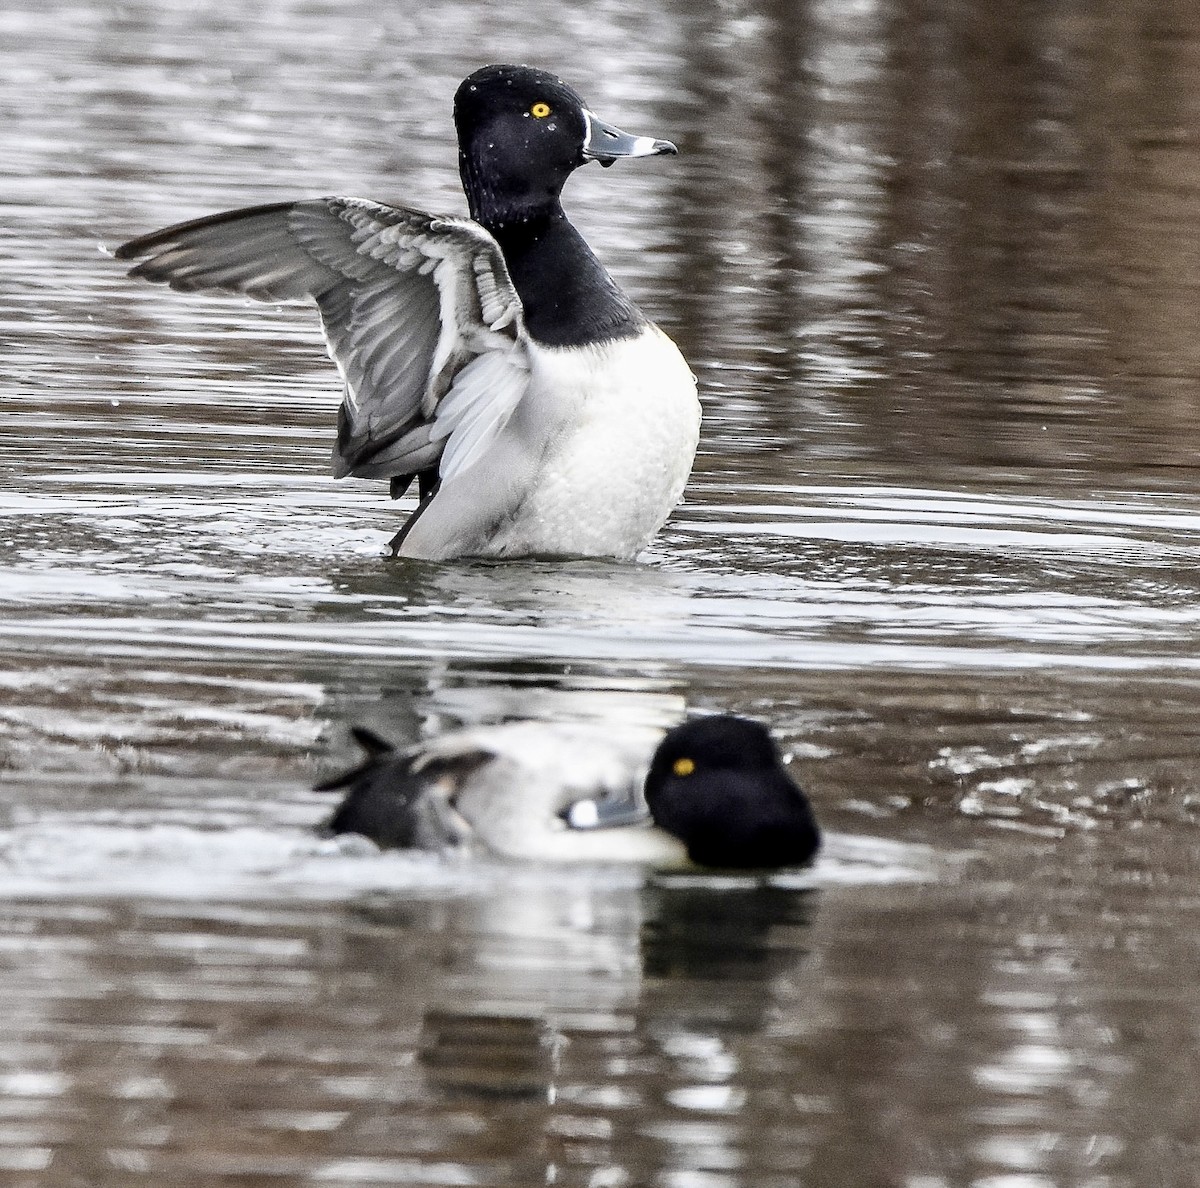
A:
(418, 312)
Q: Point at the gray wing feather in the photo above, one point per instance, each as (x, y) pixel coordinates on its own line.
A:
(248, 251)
(409, 304)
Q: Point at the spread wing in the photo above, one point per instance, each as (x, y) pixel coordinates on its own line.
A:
(419, 315)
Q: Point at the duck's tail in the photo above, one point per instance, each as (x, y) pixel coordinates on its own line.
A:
(401, 799)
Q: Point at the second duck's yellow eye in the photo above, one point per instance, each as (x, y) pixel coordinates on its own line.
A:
(684, 767)
(540, 111)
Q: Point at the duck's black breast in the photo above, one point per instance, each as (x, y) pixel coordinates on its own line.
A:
(569, 299)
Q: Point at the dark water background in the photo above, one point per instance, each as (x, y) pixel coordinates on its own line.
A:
(937, 267)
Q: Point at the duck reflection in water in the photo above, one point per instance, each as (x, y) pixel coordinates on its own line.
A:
(513, 1042)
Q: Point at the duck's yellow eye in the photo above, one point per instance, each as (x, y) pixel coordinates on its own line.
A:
(684, 767)
(540, 111)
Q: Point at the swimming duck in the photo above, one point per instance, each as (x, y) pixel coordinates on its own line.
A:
(491, 359)
(715, 794)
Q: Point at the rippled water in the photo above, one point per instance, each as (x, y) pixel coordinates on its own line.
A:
(935, 267)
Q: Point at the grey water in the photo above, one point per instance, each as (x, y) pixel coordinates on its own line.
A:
(936, 268)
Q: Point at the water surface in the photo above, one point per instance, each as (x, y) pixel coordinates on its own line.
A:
(935, 269)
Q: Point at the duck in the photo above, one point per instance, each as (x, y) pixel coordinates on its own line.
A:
(711, 792)
(491, 359)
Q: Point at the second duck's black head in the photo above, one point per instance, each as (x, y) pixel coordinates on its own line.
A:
(521, 134)
(718, 785)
